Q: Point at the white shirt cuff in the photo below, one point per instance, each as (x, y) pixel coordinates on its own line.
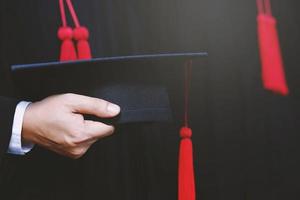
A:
(15, 145)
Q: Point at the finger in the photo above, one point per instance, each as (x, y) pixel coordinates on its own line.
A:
(98, 130)
(94, 106)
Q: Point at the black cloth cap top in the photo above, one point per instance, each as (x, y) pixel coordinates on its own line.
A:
(139, 84)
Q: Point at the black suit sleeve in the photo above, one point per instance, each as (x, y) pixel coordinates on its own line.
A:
(7, 111)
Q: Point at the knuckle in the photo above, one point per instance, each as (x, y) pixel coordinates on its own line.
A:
(68, 96)
(69, 143)
(79, 136)
(75, 136)
(76, 130)
(77, 152)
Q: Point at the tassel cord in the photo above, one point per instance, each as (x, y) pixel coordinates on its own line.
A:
(264, 7)
(268, 7)
(63, 13)
(187, 87)
(73, 13)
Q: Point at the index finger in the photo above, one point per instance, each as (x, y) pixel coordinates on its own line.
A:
(94, 106)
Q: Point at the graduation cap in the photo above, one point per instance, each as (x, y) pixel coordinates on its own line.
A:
(138, 83)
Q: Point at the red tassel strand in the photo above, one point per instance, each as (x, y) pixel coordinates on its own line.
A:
(67, 51)
(65, 34)
(186, 179)
(273, 74)
(81, 34)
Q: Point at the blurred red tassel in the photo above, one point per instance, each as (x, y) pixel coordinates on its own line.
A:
(67, 51)
(273, 74)
(186, 180)
(81, 34)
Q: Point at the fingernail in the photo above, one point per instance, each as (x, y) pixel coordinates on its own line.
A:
(113, 108)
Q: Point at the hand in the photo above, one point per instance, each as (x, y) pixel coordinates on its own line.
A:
(57, 123)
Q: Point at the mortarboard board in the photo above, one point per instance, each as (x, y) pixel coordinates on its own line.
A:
(138, 83)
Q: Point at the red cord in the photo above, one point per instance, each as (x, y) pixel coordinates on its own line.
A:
(260, 6)
(187, 87)
(73, 13)
(63, 13)
(268, 7)
(264, 7)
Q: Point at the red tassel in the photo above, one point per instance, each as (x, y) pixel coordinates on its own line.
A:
(186, 180)
(273, 74)
(81, 34)
(66, 34)
(67, 52)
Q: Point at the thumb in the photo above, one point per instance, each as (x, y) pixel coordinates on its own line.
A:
(94, 106)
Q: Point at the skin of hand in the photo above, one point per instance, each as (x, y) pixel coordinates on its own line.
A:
(57, 123)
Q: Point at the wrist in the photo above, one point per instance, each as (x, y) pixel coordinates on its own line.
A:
(27, 127)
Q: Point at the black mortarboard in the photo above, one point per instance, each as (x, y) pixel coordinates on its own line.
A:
(137, 83)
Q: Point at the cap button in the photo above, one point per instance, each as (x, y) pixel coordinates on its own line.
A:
(185, 132)
(65, 33)
(81, 33)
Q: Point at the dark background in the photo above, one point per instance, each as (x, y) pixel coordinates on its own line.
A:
(245, 138)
